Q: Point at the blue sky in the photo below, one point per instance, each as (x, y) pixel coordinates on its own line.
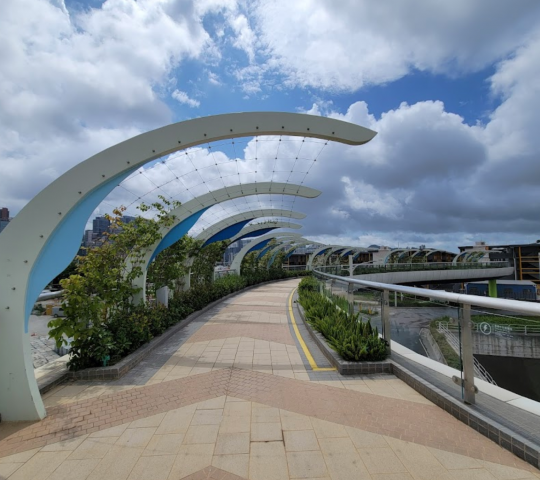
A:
(450, 87)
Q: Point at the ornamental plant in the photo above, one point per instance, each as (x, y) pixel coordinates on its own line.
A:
(351, 337)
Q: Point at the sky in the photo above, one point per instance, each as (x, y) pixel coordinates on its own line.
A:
(451, 88)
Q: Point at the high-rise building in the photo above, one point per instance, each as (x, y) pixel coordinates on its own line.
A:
(4, 218)
(100, 225)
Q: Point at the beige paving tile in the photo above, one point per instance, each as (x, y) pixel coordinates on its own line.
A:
(412, 455)
(40, 466)
(268, 461)
(74, 469)
(294, 421)
(207, 417)
(345, 467)
(19, 457)
(152, 421)
(454, 461)
(201, 434)
(110, 432)
(136, 437)
(324, 429)
(503, 472)
(300, 440)
(306, 465)
(152, 468)
(176, 421)
(392, 476)
(471, 474)
(235, 425)
(236, 464)
(93, 448)
(212, 404)
(237, 409)
(168, 444)
(117, 464)
(266, 432)
(265, 415)
(6, 469)
(337, 446)
(65, 445)
(381, 460)
(363, 439)
(191, 459)
(232, 443)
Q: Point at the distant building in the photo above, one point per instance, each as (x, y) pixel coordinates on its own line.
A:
(4, 218)
(100, 225)
(524, 257)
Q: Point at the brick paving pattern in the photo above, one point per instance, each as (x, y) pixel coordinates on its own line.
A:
(239, 403)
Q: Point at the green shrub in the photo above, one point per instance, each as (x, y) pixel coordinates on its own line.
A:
(347, 334)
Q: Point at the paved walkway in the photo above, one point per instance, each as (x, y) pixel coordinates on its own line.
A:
(234, 397)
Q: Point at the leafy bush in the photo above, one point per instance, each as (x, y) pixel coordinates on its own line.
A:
(347, 334)
(308, 284)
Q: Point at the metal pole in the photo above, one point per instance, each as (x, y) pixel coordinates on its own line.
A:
(467, 352)
(351, 267)
(385, 318)
(350, 297)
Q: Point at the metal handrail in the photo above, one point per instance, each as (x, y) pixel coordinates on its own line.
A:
(500, 328)
(473, 300)
(363, 268)
(453, 341)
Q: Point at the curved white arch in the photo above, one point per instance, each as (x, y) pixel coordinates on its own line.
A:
(45, 236)
(283, 245)
(257, 228)
(237, 261)
(318, 251)
(187, 214)
(393, 252)
(242, 219)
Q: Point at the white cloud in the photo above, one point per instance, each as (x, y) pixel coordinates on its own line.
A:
(345, 45)
(72, 85)
(183, 97)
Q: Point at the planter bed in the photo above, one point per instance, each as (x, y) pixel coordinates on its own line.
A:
(344, 367)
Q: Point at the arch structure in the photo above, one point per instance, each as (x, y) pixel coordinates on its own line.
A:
(45, 236)
(257, 229)
(354, 251)
(469, 256)
(252, 231)
(271, 244)
(390, 258)
(187, 214)
(258, 244)
(275, 251)
(321, 251)
(332, 251)
(297, 246)
(231, 226)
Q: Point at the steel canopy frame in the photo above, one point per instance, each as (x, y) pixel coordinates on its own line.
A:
(45, 236)
(258, 229)
(187, 214)
(237, 261)
(233, 225)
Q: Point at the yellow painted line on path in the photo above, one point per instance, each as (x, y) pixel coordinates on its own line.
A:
(307, 353)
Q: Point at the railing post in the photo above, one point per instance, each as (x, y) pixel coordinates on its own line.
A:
(385, 318)
(350, 298)
(467, 355)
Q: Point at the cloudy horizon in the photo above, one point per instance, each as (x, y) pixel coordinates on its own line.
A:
(451, 88)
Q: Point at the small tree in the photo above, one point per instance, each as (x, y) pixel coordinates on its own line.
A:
(102, 287)
(205, 262)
